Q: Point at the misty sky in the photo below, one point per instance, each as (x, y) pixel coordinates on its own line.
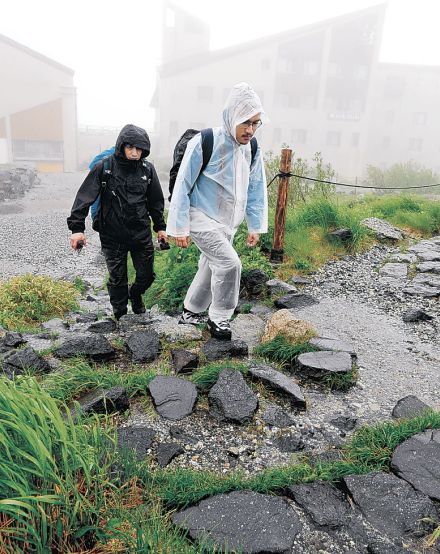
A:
(114, 47)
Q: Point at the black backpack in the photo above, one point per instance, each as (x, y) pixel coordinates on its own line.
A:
(98, 218)
(207, 144)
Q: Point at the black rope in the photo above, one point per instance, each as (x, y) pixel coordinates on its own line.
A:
(287, 175)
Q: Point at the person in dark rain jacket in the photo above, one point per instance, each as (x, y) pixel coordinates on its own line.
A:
(130, 196)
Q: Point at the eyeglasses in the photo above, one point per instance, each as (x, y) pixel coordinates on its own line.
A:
(253, 124)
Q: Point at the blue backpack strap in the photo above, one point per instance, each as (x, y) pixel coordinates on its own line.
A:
(207, 146)
(254, 147)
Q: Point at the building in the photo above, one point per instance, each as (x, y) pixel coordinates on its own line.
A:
(322, 86)
(38, 118)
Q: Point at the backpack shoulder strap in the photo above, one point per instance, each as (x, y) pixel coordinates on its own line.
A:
(254, 147)
(207, 146)
(106, 172)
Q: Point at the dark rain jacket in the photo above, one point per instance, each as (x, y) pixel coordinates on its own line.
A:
(133, 194)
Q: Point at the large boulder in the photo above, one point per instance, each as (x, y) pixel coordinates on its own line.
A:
(92, 345)
(247, 328)
(102, 326)
(184, 361)
(17, 362)
(231, 399)
(173, 398)
(417, 461)
(215, 349)
(296, 301)
(254, 281)
(278, 381)
(137, 439)
(284, 323)
(144, 346)
(167, 451)
(325, 504)
(409, 406)
(391, 505)
(275, 416)
(242, 521)
(275, 286)
(336, 345)
(324, 363)
(10, 341)
(168, 328)
(382, 229)
(102, 401)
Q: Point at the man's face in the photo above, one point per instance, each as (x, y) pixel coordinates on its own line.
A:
(245, 131)
(132, 152)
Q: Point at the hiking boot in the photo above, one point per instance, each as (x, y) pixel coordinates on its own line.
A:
(191, 318)
(119, 313)
(137, 304)
(220, 330)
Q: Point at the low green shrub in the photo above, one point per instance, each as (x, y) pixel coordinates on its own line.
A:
(27, 300)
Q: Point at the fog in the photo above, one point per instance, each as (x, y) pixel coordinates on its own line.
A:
(355, 80)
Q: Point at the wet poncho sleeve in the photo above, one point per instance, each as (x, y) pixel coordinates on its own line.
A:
(256, 207)
(178, 224)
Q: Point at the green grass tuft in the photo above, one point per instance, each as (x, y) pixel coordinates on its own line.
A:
(206, 376)
(281, 351)
(28, 300)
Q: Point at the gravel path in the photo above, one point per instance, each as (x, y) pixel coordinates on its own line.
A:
(356, 304)
(34, 234)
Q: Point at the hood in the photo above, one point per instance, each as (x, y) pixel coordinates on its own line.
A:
(242, 103)
(131, 134)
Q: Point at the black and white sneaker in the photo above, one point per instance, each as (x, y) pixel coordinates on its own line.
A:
(221, 330)
(191, 318)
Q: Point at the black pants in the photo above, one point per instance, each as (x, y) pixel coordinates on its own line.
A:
(142, 255)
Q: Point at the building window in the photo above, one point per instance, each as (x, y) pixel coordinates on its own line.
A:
(265, 65)
(277, 132)
(415, 144)
(333, 138)
(355, 137)
(420, 118)
(205, 94)
(299, 136)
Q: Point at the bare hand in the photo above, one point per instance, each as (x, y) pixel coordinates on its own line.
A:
(252, 239)
(76, 238)
(161, 235)
(182, 242)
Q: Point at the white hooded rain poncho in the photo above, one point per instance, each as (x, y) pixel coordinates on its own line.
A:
(210, 205)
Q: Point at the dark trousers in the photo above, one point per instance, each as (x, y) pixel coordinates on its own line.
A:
(142, 255)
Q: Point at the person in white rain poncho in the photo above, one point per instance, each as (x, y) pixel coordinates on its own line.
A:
(209, 206)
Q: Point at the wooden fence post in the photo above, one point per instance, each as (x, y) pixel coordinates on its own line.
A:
(277, 252)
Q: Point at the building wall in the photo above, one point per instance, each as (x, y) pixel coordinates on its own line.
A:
(323, 90)
(405, 117)
(37, 108)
